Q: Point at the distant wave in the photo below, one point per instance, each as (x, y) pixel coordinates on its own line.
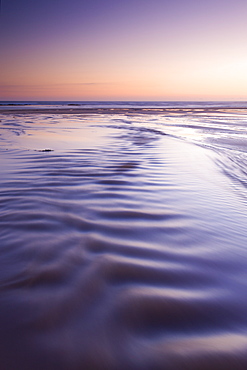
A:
(127, 104)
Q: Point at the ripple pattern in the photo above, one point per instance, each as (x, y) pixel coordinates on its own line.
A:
(125, 256)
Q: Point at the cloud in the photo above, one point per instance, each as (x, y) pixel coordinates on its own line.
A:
(78, 90)
(40, 86)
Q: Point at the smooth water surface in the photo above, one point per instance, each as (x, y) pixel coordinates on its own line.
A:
(123, 240)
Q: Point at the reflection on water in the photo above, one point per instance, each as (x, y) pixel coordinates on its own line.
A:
(123, 248)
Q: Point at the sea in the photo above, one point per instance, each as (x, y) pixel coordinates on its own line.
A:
(123, 235)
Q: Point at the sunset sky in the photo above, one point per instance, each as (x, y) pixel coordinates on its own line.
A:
(123, 50)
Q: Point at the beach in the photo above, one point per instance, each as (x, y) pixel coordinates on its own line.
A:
(123, 237)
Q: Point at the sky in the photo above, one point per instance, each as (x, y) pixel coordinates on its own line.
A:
(123, 50)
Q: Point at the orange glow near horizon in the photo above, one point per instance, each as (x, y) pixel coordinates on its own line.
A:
(157, 51)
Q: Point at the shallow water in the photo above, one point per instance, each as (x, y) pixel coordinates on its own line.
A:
(123, 241)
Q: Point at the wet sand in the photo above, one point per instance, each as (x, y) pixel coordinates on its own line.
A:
(121, 248)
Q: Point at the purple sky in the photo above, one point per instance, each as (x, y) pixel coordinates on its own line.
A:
(123, 50)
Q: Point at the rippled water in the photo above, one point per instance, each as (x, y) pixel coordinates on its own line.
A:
(123, 240)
